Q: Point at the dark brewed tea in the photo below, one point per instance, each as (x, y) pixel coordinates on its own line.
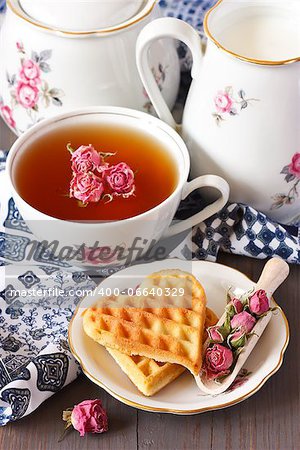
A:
(43, 171)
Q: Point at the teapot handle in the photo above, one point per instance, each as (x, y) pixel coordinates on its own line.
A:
(157, 29)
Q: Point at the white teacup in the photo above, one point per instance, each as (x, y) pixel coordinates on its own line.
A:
(141, 231)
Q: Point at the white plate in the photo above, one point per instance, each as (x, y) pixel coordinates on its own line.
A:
(182, 396)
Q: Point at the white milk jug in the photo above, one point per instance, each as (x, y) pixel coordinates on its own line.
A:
(242, 115)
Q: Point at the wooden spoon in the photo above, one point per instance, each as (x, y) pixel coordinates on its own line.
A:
(273, 275)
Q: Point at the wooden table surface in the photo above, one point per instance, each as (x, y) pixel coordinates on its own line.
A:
(269, 420)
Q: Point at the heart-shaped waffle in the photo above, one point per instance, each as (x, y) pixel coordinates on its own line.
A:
(171, 332)
(148, 375)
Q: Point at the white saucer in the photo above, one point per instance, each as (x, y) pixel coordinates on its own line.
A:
(182, 396)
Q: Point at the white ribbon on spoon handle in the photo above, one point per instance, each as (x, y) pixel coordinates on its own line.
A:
(273, 275)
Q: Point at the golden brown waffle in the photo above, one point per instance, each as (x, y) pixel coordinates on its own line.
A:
(150, 376)
(166, 334)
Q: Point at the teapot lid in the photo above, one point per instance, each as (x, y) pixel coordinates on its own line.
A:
(81, 15)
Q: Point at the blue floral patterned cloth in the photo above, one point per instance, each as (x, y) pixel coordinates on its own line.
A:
(35, 358)
(35, 361)
(37, 300)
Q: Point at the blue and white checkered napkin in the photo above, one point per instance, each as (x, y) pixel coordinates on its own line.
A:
(237, 229)
(35, 361)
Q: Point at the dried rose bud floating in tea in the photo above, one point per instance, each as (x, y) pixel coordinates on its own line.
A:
(44, 171)
(95, 179)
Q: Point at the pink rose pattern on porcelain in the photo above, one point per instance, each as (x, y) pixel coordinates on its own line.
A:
(291, 174)
(223, 102)
(7, 115)
(241, 379)
(160, 76)
(26, 95)
(30, 73)
(227, 103)
(29, 89)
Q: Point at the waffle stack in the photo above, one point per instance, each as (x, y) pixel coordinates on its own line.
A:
(153, 337)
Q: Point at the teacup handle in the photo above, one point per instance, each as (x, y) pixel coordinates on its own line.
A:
(204, 181)
(157, 29)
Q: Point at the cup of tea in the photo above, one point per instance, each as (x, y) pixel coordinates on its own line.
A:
(101, 185)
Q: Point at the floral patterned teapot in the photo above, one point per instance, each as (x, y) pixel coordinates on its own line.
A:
(45, 69)
(242, 115)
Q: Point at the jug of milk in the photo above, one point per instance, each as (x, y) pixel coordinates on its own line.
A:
(242, 115)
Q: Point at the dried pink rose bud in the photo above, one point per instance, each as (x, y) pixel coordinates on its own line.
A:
(238, 305)
(243, 321)
(215, 335)
(87, 417)
(86, 187)
(120, 179)
(237, 339)
(95, 179)
(259, 303)
(85, 159)
(217, 362)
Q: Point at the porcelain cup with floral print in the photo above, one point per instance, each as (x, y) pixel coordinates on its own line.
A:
(134, 235)
(47, 69)
(242, 115)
